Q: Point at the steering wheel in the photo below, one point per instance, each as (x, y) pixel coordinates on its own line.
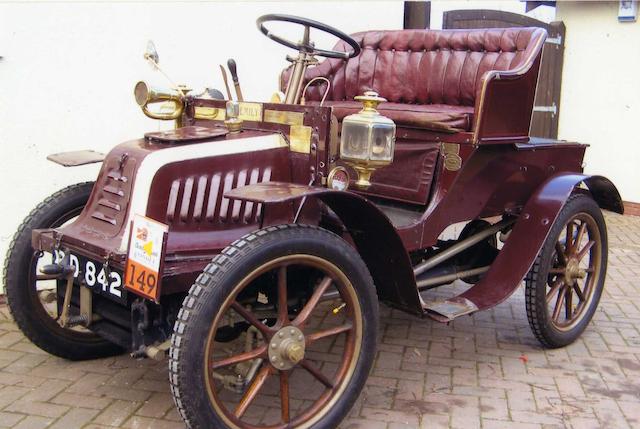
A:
(306, 45)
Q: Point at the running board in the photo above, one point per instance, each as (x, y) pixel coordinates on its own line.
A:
(447, 310)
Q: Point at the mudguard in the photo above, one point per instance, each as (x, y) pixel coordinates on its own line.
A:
(373, 234)
(527, 238)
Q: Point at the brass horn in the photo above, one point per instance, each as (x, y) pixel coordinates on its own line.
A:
(146, 95)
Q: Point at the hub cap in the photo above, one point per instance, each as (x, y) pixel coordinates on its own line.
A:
(287, 348)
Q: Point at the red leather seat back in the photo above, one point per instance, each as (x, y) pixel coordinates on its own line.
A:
(423, 66)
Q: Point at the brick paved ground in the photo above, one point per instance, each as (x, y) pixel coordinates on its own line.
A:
(482, 371)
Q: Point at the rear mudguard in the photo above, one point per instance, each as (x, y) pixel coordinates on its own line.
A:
(373, 234)
(528, 236)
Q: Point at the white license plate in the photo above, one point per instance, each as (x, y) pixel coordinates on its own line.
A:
(93, 275)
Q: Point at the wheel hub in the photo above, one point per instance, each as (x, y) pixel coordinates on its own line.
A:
(287, 348)
(573, 271)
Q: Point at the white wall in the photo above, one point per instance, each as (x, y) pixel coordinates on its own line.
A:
(67, 76)
(600, 102)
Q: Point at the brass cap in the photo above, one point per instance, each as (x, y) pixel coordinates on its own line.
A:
(370, 100)
(233, 122)
(295, 353)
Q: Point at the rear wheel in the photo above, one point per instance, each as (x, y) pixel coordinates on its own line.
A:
(32, 299)
(312, 315)
(566, 281)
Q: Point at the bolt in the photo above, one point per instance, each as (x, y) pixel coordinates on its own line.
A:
(292, 331)
(300, 338)
(274, 345)
(281, 364)
(274, 358)
(281, 334)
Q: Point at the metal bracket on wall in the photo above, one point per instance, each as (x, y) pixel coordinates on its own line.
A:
(554, 40)
(553, 109)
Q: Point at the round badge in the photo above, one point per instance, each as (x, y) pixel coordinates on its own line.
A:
(338, 179)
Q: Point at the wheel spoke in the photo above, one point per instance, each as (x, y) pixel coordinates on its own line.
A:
(568, 303)
(585, 249)
(328, 333)
(583, 228)
(284, 396)
(316, 373)
(283, 306)
(558, 307)
(252, 391)
(569, 240)
(249, 317)
(313, 301)
(560, 251)
(242, 357)
(554, 290)
(579, 292)
(556, 270)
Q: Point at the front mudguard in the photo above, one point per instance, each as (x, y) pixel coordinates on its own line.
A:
(374, 236)
(530, 232)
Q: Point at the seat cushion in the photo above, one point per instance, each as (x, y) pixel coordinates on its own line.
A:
(439, 117)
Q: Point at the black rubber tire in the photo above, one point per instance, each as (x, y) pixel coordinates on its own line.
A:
(536, 280)
(212, 287)
(23, 301)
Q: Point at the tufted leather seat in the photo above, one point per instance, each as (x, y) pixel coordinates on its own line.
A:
(431, 78)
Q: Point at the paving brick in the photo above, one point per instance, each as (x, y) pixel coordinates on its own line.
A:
(138, 422)
(75, 418)
(34, 422)
(43, 409)
(360, 423)
(8, 420)
(156, 406)
(83, 401)
(116, 413)
(9, 394)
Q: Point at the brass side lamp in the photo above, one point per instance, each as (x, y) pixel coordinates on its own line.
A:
(368, 139)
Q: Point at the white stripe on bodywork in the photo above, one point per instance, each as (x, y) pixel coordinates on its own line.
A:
(153, 162)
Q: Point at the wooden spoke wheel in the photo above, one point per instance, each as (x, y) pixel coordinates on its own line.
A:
(33, 297)
(303, 293)
(565, 284)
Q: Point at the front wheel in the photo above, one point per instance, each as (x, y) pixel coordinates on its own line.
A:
(566, 281)
(312, 315)
(33, 300)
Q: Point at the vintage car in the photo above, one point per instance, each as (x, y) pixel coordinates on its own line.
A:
(254, 241)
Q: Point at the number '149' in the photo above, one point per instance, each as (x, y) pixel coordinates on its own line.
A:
(142, 279)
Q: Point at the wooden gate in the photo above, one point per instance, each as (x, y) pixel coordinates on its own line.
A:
(547, 104)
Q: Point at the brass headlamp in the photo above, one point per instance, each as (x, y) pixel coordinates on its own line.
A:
(146, 95)
(368, 139)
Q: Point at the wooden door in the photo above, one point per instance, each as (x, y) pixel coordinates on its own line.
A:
(544, 122)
